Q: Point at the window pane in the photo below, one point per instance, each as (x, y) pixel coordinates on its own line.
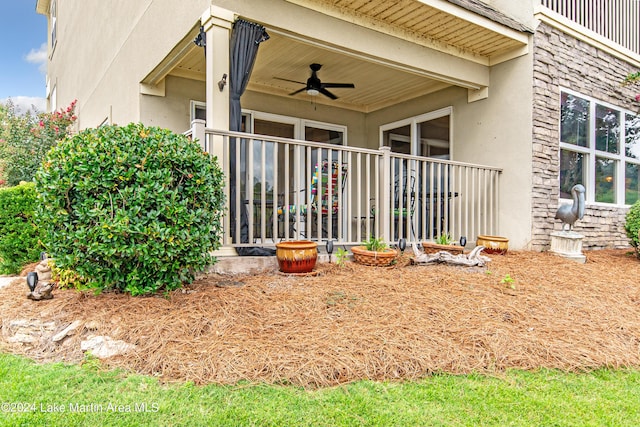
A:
(631, 184)
(399, 139)
(607, 129)
(433, 137)
(605, 180)
(574, 120)
(632, 132)
(571, 172)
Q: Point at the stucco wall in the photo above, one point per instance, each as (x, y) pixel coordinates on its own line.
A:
(563, 61)
(105, 49)
(495, 131)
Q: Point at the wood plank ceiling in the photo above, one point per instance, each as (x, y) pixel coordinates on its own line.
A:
(377, 85)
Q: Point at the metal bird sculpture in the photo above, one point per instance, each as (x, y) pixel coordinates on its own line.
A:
(569, 214)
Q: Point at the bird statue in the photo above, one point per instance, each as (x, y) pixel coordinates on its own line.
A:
(569, 214)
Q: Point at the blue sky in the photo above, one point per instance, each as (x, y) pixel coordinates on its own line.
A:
(23, 52)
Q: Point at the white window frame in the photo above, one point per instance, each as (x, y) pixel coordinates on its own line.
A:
(53, 13)
(590, 152)
(299, 124)
(414, 122)
(193, 105)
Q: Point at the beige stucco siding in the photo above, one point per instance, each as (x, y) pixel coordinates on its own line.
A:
(114, 45)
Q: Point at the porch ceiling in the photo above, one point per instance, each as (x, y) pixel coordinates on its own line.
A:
(435, 24)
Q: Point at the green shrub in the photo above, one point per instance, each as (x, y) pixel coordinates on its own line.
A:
(130, 208)
(19, 237)
(632, 226)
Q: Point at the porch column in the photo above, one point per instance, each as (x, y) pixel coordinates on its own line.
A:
(217, 24)
(385, 194)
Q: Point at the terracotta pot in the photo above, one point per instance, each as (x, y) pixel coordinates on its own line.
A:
(375, 258)
(432, 248)
(493, 244)
(297, 256)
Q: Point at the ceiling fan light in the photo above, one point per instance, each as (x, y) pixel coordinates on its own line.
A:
(313, 92)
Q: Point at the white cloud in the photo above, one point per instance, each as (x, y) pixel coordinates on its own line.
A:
(26, 103)
(38, 57)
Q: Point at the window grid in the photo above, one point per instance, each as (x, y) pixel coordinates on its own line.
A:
(607, 170)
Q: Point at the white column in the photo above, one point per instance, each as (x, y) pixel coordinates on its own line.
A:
(385, 194)
(217, 23)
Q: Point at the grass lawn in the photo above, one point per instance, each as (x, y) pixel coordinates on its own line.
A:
(70, 395)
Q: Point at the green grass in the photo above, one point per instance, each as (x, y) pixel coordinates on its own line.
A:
(543, 398)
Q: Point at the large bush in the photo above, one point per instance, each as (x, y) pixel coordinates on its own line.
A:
(26, 138)
(19, 237)
(130, 208)
(632, 226)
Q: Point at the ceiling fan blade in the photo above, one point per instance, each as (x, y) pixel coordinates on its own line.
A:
(298, 91)
(327, 93)
(288, 80)
(349, 85)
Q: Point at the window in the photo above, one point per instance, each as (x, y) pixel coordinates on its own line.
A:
(54, 23)
(599, 148)
(426, 135)
(198, 110)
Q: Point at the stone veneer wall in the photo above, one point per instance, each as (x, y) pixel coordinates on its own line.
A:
(563, 61)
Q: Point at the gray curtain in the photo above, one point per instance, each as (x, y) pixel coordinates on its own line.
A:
(245, 40)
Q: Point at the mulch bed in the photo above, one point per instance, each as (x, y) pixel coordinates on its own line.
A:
(357, 322)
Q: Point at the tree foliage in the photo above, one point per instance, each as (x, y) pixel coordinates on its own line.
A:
(25, 139)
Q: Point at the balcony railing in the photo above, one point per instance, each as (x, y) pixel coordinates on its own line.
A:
(290, 189)
(617, 20)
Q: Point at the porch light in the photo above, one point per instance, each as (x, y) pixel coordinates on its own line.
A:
(32, 280)
(312, 92)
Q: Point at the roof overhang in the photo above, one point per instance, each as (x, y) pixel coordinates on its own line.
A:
(43, 6)
(391, 51)
(467, 29)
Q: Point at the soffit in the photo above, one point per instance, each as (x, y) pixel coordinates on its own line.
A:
(378, 84)
(465, 28)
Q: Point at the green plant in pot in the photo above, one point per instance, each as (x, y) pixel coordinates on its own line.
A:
(443, 242)
(374, 251)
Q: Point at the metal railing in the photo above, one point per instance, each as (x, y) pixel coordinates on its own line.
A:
(617, 20)
(284, 189)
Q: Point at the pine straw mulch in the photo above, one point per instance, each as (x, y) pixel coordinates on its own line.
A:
(359, 322)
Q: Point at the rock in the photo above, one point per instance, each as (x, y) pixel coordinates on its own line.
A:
(42, 267)
(103, 346)
(92, 325)
(45, 276)
(26, 331)
(42, 291)
(69, 330)
(22, 338)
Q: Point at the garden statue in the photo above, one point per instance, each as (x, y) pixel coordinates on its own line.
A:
(569, 214)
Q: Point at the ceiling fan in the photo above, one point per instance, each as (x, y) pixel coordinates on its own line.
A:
(314, 86)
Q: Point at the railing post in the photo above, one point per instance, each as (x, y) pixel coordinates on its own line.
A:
(385, 194)
(198, 134)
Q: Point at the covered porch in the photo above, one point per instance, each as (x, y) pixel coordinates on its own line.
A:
(294, 189)
(395, 156)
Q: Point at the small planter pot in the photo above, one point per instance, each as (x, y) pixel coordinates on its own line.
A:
(493, 244)
(374, 258)
(297, 256)
(432, 248)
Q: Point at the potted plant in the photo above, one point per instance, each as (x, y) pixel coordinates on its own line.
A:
(442, 243)
(374, 252)
(296, 256)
